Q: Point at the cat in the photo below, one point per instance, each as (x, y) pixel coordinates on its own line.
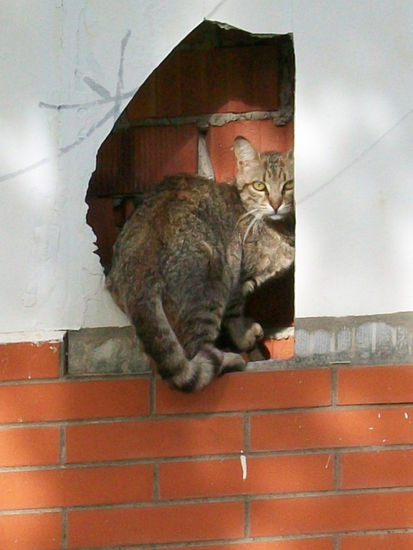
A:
(190, 254)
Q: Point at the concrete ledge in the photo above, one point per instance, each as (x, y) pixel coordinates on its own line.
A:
(363, 340)
(372, 339)
(108, 350)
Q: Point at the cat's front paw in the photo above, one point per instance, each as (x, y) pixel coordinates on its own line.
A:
(248, 287)
(253, 334)
(245, 333)
(232, 362)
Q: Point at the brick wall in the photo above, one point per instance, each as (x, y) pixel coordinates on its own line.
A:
(125, 462)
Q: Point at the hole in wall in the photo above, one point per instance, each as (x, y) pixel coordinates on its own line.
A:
(218, 83)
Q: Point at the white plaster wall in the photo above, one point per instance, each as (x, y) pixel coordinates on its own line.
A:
(68, 69)
(354, 150)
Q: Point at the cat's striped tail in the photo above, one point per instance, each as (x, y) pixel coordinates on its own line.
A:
(160, 342)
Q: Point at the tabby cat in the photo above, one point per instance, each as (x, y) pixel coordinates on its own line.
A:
(185, 261)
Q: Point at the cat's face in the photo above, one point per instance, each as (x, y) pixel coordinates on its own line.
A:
(265, 181)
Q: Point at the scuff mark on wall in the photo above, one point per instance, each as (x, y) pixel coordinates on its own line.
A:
(116, 99)
(119, 85)
(42, 279)
(243, 460)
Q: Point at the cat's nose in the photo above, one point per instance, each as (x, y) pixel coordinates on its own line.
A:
(276, 205)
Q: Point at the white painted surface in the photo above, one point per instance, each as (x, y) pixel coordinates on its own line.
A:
(353, 145)
(354, 148)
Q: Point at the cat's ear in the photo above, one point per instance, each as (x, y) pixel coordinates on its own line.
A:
(245, 152)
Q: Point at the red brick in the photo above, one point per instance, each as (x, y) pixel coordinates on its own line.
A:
(114, 166)
(385, 541)
(154, 438)
(189, 522)
(107, 165)
(76, 486)
(164, 151)
(324, 543)
(29, 446)
(332, 428)
(143, 103)
(25, 361)
(277, 474)
(393, 384)
(73, 400)
(193, 87)
(335, 513)
(236, 73)
(169, 100)
(30, 532)
(101, 219)
(377, 469)
(233, 87)
(280, 349)
(251, 391)
(263, 134)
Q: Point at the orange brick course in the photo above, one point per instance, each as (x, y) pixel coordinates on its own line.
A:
(31, 531)
(333, 513)
(252, 391)
(73, 400)
(22, 446)
(385, 541)
(274, 460)
(301, 544)
(24, 361)
(392, 384)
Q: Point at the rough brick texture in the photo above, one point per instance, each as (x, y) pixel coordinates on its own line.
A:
(219, 80)
(274, 460)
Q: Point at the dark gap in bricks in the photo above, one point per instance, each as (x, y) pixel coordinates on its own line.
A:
(247, 517)
(247, 433)
(64, 527)
(156, 487)
(62, 444)
(334, 386)
(337, 471)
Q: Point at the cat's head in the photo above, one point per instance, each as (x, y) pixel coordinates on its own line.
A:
(265, 181)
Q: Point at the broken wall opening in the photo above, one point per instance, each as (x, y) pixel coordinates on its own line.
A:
(218, 83)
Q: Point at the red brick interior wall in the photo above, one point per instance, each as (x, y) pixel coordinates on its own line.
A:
(134, 158)
(125, 462)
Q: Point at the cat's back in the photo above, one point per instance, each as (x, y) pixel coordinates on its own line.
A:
(179, 202)
(178, 214)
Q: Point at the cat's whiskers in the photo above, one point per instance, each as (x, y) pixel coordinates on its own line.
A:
(253, 224)
(249, 213)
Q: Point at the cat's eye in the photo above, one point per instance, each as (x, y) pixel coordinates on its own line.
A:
(289, 185)
(259, 185)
